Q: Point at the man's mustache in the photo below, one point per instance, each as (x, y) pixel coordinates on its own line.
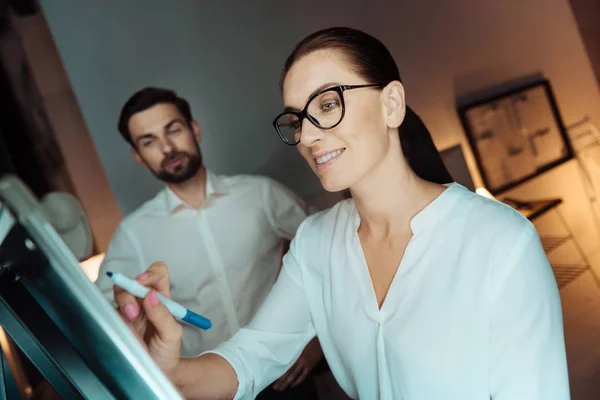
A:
(171, 156)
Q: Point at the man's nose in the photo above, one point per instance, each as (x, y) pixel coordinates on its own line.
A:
(167, 146)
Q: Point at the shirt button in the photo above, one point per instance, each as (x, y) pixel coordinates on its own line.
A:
(211, 244)
(220, 275)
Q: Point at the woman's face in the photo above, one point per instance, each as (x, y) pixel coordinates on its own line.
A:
(343, 155)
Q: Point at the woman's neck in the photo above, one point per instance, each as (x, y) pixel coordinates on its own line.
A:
(390, 196)
(193, 190)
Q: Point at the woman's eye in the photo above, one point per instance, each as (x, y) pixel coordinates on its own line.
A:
(329, 106)
(292, 122)
(297, 125)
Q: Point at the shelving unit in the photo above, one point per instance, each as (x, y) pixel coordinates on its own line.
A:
(564, 273)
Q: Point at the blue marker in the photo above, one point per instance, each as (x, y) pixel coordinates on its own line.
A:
(177, 310)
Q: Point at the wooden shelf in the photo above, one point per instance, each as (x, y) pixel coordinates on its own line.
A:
(565, 273)
(552, 242)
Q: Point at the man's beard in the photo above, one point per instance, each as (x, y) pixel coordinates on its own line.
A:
(182, 172)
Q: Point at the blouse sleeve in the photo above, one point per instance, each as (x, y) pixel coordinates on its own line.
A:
(262, 352)
(528, 358)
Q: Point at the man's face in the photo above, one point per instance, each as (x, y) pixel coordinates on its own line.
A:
(165, 143)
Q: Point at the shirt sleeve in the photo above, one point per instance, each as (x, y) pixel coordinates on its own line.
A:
(122, 256)
(528, 358)
(284, 209)
(273, 341)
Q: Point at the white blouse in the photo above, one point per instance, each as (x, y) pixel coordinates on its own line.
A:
(473, 311)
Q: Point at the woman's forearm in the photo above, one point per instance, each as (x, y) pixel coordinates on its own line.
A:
(209, 376)
(257, 351)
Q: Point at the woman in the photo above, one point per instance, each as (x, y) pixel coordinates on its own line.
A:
(415, 289)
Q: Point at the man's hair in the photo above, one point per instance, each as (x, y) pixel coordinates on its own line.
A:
(145, 99)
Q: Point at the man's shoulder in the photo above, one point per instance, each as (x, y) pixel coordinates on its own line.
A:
(247, 180)
(149, 207)
(265, 186)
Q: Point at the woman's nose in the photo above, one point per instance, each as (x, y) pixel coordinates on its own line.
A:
(310, 133)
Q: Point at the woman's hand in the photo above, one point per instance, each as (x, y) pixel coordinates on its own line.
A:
(149, 319)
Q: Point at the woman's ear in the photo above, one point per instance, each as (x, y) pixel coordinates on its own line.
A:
(394, 104)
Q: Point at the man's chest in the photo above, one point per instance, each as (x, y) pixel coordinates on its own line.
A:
(198, 245)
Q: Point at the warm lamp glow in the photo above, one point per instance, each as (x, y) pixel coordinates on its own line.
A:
(8, 348)
(484, 192)
(91, 266)
(4, 343)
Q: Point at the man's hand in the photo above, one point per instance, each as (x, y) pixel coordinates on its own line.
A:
(310, 357)
(149, 319)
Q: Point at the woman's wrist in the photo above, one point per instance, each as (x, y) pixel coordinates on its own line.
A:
(178, 374)
(208, 376)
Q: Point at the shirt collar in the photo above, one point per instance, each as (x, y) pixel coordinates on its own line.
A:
(214, 187)
(433, 212)
(437, 209)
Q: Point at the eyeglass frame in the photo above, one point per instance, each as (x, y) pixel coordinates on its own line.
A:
(301, 115)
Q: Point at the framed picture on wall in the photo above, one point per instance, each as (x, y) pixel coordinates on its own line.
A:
(516, 135)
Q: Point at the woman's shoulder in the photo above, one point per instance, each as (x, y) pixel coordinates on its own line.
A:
(340, 211)
(326, 223)
(492, 217)
(322, 234)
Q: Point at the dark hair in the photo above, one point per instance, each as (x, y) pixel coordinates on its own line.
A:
(146, 98)
(370, 59)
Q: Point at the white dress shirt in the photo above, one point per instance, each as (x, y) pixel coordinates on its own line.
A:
(473, 311)
(223, 258)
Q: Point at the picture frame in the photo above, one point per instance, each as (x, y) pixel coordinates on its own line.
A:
(516, 135)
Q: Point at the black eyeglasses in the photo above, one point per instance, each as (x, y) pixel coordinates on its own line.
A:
(325, 110)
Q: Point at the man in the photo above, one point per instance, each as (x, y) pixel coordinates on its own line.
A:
(220, 236)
